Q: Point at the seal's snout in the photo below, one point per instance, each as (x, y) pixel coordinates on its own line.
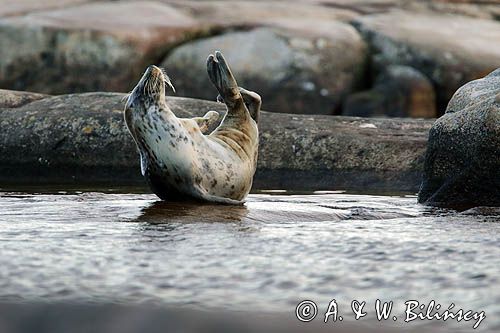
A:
(158, 78)
(153, 78)
(154, 71)
(152, 84)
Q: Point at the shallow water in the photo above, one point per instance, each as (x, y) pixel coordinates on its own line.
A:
(264, 257)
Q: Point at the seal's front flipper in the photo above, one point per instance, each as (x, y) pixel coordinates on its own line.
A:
(221, 200)
(222, 78)
(207, 121)
(202, 194)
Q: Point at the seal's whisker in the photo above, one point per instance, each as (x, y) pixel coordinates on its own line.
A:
(127, 95)
(166, 79)
(150, 86)
(144, 87)
(155, 85)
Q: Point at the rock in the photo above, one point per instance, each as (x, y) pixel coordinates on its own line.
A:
(96, 46)
(256, 13)
(82, 138)
(368, 103)
(363, 7)
(294, 69)
(462, 163)
(14, 99)
(485, 9)
(450, 49)
(400, 91)
(19, 7)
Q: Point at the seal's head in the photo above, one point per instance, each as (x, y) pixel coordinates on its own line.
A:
(150, 90)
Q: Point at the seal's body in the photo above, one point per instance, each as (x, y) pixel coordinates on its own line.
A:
(178, 160)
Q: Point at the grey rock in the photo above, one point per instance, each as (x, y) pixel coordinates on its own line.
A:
(89, 47)
(82, 138)
(399, 91)
(14, 99)
(257, 13)
(484, 9)
(293, 70)
(19, 7)
(449, 49)
(462, 164)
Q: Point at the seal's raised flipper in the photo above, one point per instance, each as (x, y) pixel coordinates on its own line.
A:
(205, 122)
(222, 78)
(252, 101)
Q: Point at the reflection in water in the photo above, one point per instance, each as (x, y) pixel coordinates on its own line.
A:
(190, 212)
(270, 208)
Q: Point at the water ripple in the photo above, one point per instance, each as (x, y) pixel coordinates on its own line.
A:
(266, 255)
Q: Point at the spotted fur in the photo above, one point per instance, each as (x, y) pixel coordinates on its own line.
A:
(178, 158)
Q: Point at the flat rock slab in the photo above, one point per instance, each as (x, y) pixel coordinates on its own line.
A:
(19, 7)
(14, 99)
(450, 50)
(485, 9)
(82, 138)
(89, 47)
(253, 13)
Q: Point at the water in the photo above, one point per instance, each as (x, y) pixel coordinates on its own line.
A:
(266, 256)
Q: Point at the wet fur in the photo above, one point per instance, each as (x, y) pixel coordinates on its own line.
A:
(178, 160)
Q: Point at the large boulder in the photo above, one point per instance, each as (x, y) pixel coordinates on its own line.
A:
(82, 138)
(462, 165)
(449, 49)
(399, 91)
(88, 47)
(295, 68)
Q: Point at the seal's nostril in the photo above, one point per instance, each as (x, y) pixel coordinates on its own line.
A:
(154, 70)
(151, 69)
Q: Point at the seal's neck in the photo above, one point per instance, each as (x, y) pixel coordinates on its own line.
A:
(162, 100)
(165, 110)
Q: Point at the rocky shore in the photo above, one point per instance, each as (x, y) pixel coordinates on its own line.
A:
(308, 59)
(361, 57)
(82, 138)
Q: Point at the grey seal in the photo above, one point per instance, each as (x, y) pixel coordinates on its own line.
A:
(179, 159)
